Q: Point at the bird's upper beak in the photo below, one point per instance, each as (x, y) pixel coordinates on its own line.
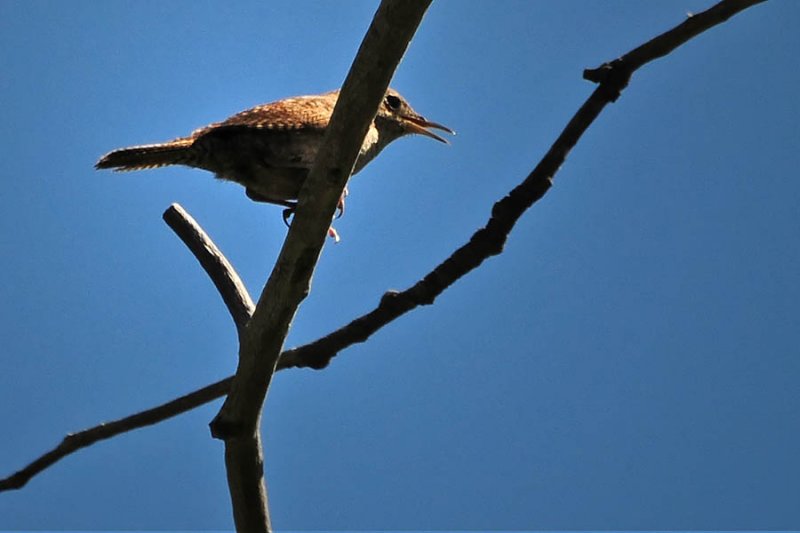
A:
(418, 124)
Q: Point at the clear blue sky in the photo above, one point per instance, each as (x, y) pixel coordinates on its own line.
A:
(630, 361)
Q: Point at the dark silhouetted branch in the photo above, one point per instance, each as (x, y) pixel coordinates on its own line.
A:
(238, 421)
(216, 265)
(76, 441)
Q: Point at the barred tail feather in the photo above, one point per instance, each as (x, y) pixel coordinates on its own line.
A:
(146, 156)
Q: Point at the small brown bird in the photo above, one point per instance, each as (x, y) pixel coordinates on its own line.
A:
(270, 148)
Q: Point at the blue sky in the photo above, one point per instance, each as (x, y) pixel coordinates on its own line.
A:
(630, 361)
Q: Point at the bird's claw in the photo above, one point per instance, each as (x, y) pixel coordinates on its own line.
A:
(340, 205)
(287, 214)
(332, 233)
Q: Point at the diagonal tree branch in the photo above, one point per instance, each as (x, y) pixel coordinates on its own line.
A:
(612, 77)
(261, 341)
(490, 239)
(82, 439)
(386, 40)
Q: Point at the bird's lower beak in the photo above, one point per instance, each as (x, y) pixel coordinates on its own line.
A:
(420, 125)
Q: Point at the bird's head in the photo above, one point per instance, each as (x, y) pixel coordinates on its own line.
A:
(397, 116)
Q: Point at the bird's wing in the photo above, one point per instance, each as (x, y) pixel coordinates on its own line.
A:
(302, 112)
(266, 136)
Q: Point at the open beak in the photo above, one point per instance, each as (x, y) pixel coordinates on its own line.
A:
(417, 124)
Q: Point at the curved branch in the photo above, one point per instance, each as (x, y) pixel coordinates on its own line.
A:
(216, 265)
(485, 241)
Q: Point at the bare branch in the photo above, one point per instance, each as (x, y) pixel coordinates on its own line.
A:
(484, 242)
(364, 88)
(668, 41)
(216, 265)
(240, 306)
(490, 239)
(238, 422)
(76, 441)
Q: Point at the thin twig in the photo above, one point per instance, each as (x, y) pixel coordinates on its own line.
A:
(76, 441)
(668, 41)
(319, 353)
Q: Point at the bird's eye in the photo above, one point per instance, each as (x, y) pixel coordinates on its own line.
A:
(393, 102)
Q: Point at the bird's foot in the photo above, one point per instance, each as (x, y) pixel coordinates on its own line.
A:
(333, 234)
(340, 205)
(288, 213)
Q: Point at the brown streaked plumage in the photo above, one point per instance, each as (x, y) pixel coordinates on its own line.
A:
(270, 148)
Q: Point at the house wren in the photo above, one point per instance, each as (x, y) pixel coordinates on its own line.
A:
(270, 148)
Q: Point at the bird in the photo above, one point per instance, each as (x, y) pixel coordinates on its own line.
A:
(269, 149)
